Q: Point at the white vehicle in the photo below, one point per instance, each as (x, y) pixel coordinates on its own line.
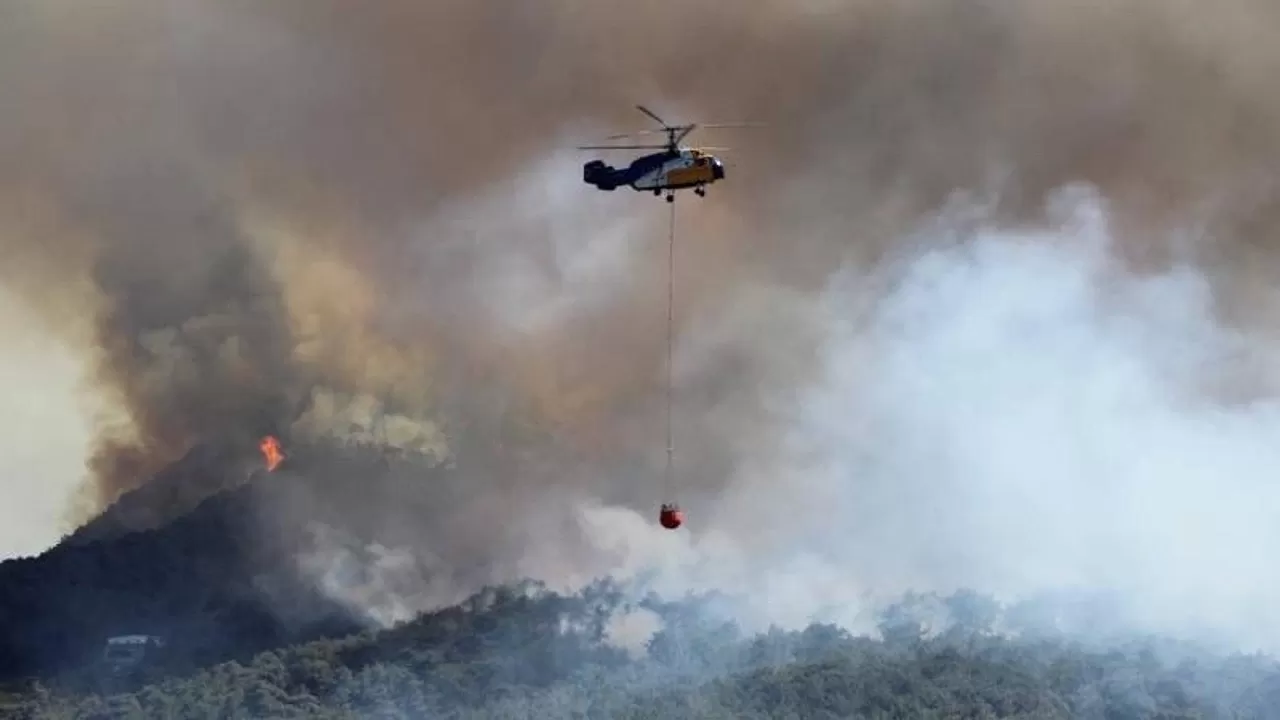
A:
(126, 652)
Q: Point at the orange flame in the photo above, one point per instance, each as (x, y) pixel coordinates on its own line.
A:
(271, 452)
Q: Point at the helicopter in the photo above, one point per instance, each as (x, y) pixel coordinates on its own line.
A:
(676, 167)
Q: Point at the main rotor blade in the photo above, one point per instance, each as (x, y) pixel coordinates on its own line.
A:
(650, 113)
(638, 132)
(622, 147)
(732, 125)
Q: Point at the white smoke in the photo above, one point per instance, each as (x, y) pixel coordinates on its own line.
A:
(1016, 415)
(632, 631)
(380, 585)
(533, 250)
(1006, 409)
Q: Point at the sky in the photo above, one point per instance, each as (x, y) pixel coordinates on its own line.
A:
(46, 439)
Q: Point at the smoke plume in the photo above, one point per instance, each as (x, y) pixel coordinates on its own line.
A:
(911, 351)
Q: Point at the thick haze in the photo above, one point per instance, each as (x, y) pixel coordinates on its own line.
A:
(282, 217)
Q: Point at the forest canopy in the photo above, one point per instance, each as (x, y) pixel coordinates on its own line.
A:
(525, 652)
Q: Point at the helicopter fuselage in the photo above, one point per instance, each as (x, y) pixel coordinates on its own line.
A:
(668, 170)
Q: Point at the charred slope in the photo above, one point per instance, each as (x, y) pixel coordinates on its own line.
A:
(212, 582)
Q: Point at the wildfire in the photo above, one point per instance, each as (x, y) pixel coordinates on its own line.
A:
(271, 452)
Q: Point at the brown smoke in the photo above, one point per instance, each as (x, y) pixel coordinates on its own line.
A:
(269, 208)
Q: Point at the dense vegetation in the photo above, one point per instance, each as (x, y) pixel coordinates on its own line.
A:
(528, 653)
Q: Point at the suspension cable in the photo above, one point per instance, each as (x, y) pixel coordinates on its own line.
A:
(671, 263)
